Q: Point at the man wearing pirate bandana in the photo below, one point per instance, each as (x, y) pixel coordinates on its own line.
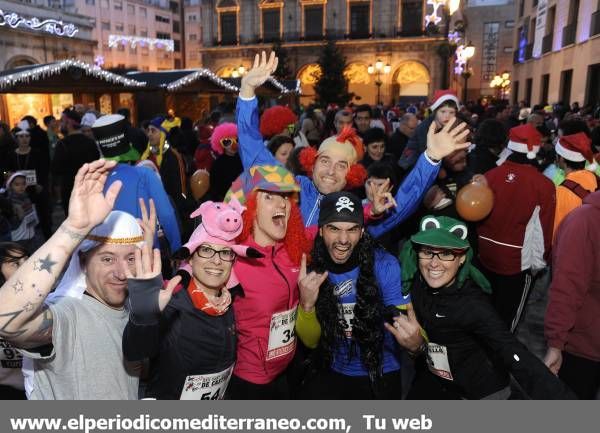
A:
(76, 340)
(351, 285)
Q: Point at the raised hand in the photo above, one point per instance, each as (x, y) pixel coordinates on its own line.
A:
(261, 70)
(407, 330)
(309, 285)
(88, 205)
(382, 197)
(148, 221)
(443, 143)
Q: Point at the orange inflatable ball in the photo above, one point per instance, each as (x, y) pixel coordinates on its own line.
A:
(199, 183)
(474, 201)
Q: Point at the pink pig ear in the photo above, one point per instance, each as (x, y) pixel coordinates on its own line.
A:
(235, 203)
(201, 209)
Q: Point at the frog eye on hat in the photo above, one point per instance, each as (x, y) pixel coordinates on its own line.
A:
(430, 223)
(459, 230)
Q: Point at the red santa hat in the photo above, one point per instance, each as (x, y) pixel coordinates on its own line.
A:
(577, 148)
(441, 96)
(525, 139)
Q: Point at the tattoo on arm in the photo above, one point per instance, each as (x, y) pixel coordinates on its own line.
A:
(11, 316)
(44, 330)
(73, 235)
(18, 286)
(44, 264)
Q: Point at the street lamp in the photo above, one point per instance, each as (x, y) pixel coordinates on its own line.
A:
(448, 8)
(377, 70)
(501, 83)
(468, 52)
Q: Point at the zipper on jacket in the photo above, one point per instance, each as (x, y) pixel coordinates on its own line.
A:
(313, 210)
(282, 276)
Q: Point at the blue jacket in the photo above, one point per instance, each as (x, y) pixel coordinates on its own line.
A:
(253, 152)
(140, 182)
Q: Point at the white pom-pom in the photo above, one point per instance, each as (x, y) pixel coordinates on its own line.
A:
(531, 155)
(593, 166)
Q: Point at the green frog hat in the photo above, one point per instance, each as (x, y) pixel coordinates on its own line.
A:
(440, 232)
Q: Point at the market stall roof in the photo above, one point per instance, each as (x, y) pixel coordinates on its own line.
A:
(65, 76)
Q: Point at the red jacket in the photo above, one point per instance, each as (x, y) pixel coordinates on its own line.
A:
(517, 235)
(572, 320)
(270, 286)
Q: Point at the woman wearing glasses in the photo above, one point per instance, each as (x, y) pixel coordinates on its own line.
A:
(469, 352)
(228, 165)
(191, 337)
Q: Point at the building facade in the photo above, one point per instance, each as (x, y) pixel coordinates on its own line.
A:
(23, 42)
(391, 31)
(489, 26)
(557, 52)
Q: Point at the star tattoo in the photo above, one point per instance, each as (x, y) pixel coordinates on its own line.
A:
(29, 307)
(18, 286)
(44, 264)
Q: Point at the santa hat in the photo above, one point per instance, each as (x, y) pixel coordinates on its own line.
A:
(441, 96)
(346, 145)
(275, 120)
(577, 148)
(224, 130)
(525, 139)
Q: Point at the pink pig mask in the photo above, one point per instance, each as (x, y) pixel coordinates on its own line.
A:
(221, 224)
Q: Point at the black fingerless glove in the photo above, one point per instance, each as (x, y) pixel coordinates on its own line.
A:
(143, 300)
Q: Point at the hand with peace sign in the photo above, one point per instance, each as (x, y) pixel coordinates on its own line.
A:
(448, 140)
(261, 70)
(406, 330)
(309, 285)
(382, 198)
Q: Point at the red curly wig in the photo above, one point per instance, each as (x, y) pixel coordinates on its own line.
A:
(275, 120)
(295, 242)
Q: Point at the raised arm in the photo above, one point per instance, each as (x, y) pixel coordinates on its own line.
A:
(23, 321)
(251, 147)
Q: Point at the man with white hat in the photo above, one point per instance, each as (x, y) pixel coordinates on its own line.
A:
(515, 239)
(76, 343)
(572, 153)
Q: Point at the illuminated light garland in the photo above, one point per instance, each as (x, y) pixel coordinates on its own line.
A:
(99, 60)
(284, 90)
(195, 76)
(133, 41)
(52, 26)
(44, 71)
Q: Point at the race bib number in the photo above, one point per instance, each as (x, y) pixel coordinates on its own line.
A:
(30, 177)
(282, 334)
(347, 318)
(437, 361)
(206, 386)
(9, 356)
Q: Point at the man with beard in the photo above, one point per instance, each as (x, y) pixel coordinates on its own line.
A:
(352, 286)
(74, 150)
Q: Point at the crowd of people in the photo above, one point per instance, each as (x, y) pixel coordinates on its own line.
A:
(324, 258)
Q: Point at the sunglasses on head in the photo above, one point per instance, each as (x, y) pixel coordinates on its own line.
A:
(226, 142)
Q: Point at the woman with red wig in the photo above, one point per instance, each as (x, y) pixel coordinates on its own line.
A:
(334, 166)
(265, 315)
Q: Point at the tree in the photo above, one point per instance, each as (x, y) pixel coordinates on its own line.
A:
(332, 86)
(283, 68)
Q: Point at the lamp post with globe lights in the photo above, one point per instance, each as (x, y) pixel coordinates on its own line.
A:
(378, 70)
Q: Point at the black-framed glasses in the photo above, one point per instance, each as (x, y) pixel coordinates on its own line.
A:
(207, 252)
(444, 255)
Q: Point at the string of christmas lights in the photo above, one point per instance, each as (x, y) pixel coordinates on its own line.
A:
(283, 89)
(44, 71)
(52, 26)
(133, 41)
(196, 75)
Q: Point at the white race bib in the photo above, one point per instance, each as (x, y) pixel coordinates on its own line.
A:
(206, 386)
(437, 361)
(9, 356)
(347, 317)
(30, 177)
(282, 334)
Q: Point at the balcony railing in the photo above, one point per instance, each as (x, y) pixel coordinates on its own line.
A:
(516, 57)
(406, 33)
(595, 24)
(547, 43)
(568, 36)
